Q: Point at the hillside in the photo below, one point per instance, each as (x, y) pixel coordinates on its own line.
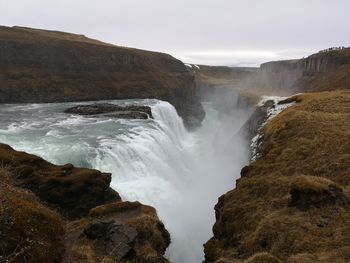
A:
(49, 66)
(293, 203)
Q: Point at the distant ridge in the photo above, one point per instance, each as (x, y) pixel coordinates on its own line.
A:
(52, 66)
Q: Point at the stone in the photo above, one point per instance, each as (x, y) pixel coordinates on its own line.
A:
(115, 236)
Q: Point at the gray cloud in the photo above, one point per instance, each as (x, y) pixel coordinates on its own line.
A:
(226, 32)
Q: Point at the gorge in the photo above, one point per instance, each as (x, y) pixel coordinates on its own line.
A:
(156, 162)
(173, 140)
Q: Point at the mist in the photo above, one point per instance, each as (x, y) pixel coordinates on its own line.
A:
(156, 161)
(217, 152)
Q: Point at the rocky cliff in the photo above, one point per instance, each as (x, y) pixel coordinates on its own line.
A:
(52, 213)
(321, 71)
(328, 70)
(49, 66)
(293, 203)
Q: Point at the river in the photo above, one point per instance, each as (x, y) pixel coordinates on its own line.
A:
(155, 161)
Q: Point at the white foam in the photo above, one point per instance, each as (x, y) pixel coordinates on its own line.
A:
(157, 162)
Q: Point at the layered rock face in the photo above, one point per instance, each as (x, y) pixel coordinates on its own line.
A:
(48, 66)
(292, 204)
(52, 213)
(321, 71)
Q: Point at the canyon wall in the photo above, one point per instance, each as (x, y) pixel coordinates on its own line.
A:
(328, 70)
(48, 66)
(291, 204)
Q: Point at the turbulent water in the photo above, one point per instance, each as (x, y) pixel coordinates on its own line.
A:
(156, 162)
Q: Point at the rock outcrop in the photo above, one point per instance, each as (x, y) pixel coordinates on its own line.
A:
(112, 110)
(122, 231)
(115, 236)
(291, 204)
(72, 191)
(307, 192)
(52, 213)
(48, 66)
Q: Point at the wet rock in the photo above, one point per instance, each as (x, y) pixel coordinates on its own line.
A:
(116, 111)
(287, 100)
(256, 120)
(114, 235)
(253, 126)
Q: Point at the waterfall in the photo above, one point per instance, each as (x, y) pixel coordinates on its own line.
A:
(155, 161)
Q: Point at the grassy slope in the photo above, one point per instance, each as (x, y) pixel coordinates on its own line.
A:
(292, 204)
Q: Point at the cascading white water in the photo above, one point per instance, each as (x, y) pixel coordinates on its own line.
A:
(156, 162)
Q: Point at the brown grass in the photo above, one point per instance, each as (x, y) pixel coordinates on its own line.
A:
(114, 208)
(29, 232)
(306, 153)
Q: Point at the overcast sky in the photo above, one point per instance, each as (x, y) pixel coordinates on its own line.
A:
(219, 32)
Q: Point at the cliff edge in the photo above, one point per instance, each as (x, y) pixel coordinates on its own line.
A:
(322, 71)
(51, 213)
(292, 204)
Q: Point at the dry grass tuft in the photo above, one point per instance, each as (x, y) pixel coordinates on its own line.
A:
(29, 232)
